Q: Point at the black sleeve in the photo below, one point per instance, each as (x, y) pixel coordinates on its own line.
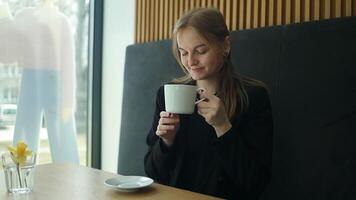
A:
(246, 149)
(159, 159)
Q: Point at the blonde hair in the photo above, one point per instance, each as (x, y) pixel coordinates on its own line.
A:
(210, 24)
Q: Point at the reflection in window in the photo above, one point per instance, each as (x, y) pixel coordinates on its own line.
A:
(46, 45)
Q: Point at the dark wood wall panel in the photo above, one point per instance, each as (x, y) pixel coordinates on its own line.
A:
(155, 18)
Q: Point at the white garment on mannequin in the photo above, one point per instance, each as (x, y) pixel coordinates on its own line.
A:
(10, 37)
(48, 82)
(5, 11)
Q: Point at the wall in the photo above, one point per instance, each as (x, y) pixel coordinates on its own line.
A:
(155, 18)
(118, 32)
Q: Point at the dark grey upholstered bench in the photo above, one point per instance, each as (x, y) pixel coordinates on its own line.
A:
(310, 69)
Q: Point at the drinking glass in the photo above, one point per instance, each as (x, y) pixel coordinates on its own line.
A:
(18, 179)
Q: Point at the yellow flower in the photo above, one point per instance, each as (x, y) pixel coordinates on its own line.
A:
(20, 153)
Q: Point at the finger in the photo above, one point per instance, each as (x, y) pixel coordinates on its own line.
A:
(160, 133)
(164, 114)
(203, 111)
(204, 114)
(200, 90)
(208, 95)
(207, 106)
(166, 127)
(164, 121)
(204, 104)
(174, 115)
(168, 121)
(199, 112)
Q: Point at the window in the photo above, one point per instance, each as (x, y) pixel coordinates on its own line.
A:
(14, 93)
(45, 70)
(6, 94)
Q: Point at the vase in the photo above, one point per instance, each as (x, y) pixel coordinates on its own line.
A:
(19, 179)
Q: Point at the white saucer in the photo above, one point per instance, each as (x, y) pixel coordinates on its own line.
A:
(128, 183)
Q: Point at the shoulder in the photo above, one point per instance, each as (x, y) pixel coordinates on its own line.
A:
(257, 91)
(258, 97)
(160, 90)
(25, 12)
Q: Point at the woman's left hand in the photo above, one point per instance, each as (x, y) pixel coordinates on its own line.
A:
(213, 111)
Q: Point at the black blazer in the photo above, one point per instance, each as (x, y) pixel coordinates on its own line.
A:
(236, 166)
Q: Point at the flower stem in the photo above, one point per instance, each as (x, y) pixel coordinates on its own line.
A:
(19, 173)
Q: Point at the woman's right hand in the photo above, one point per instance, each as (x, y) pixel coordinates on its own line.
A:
(167, 127)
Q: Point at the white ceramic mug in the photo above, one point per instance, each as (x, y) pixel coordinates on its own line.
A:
(180, 99)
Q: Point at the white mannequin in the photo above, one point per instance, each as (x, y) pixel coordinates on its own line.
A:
(48, 81)
(5, 11)
(10, 41)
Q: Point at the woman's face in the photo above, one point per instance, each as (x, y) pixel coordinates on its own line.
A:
(200, 58)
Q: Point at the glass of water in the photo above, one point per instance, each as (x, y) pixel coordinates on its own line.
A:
(18, 179)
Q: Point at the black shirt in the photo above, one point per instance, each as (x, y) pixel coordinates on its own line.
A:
(236, 166)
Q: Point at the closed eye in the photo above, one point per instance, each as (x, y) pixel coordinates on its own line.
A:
(197, 52)
(200, 52)
(183, 53)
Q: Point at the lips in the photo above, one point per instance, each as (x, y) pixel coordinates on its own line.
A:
(197, 73)
(196, 68)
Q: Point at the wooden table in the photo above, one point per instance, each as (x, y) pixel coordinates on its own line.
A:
(65, 182)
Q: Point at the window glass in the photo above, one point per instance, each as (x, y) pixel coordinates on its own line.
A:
(44, 77)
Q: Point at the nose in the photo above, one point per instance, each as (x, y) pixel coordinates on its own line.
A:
(192, 60)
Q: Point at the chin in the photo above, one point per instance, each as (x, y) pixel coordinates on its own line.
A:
(198, 76)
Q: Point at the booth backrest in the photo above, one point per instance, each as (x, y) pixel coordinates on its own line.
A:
(310, 69)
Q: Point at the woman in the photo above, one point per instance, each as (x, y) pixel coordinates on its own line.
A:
(224, 148)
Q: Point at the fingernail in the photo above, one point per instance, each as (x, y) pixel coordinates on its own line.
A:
(201, 90)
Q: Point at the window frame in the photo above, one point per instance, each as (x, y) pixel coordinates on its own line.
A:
(95, 83)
